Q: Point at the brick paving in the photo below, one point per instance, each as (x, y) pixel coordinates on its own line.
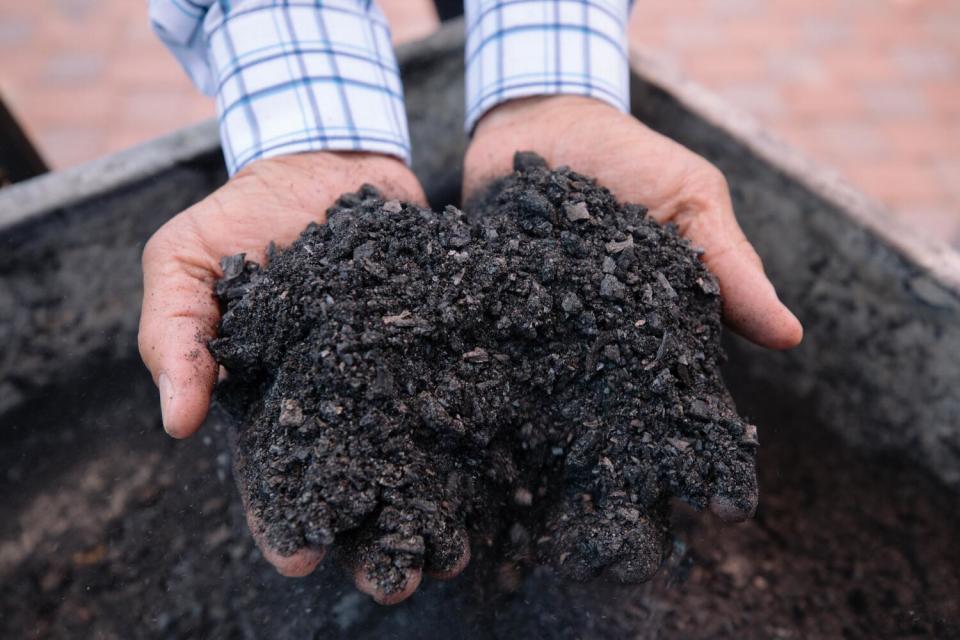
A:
(87, 77)
(870, 87)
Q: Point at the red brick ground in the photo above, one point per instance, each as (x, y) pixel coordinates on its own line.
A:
(87, 77)
(871, 87)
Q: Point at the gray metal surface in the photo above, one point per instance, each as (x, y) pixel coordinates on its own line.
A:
(880, 361)
(44, 194)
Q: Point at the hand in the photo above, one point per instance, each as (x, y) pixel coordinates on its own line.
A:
(270, 200)
(410, 19)
(641, 166)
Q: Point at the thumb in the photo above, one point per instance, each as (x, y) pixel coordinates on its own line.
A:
(178, 317)
(751, 306)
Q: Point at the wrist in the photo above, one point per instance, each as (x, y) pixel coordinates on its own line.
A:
(555, 127)
(550, 109)
(313, 164)
(330, 173)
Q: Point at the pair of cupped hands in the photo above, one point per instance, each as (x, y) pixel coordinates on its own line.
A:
(274, 199)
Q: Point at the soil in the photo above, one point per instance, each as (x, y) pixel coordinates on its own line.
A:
(111, 529)
(540, 375)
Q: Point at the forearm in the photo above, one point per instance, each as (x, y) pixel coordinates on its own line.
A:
(291, 77)
(529, 48)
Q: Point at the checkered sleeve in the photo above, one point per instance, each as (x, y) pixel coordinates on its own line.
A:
(522, 48)
(291, 75)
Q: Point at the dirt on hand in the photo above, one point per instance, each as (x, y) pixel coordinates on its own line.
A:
(539, 374)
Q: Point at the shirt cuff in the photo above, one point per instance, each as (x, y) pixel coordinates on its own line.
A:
(522, 48)
(295, 76)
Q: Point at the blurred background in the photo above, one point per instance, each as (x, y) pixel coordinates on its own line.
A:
(868, 87)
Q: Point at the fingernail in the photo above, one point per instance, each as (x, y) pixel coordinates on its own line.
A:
(166, 398)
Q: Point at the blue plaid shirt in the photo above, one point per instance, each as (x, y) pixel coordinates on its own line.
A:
(294, 75)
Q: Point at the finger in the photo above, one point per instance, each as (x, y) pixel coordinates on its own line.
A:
(300, 563)
(730, 509)
(617, 536)
(366, 582)
(647, 545)
(582, 556)
(448, 559)
(751, 306)
(178, 317)
(379, 568)
(735, 497)
(297, 565)
(750, 303)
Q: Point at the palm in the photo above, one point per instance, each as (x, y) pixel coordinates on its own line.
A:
(642, 166)
(274, 201)
(271, 201)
